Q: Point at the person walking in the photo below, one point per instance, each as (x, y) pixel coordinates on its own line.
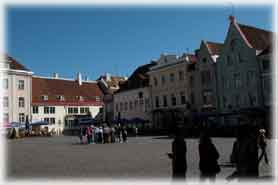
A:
(178, 156)
(245, 154)
(80, 134)
(124, 133)
(262, 145)
(96, 134)
(100, 135)
(113, 135)
(93, 134)
(89, 134)
(209, 155)
(84, 135)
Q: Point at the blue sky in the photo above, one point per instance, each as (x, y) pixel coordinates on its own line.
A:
(95, 40)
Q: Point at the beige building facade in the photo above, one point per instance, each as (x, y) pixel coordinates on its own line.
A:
(169, 89)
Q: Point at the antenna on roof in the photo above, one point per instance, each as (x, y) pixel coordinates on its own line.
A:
(232, 9)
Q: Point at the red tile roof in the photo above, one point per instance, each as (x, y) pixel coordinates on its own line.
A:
(70, 89)
(258, 38)
(214, 47)
(14, 64)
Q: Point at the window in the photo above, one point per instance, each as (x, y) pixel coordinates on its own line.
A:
(52, 121)
(155, 81)
(21, 102)
(6, 101)
(130, 105)
(224, 101)
(172, 77)
(70, 110)
(229, 61)
(237, 80)
(207, 97)
(163, 80)
(192, 98)
(35, 109)
(21, 84)
(97, 98)
(46, 119)
(165, 101)
(237, 100)
(46, 110)
(126, 106)
(61, 97)
(205, 77)
(5, 83)
(82, 110)
(240, 58)
(117, 107)
(21, 118)
(6, 117)
(140, 94)
(191, 81)
(181, 75)
(75, 110)
(156, 101)
(182, 96)
(44, 97)
(81, 98)
(147, 103)
(52, 110)
(135, 104)
(87, 110)
(174, 100)
(266, 65)
(250, 77)
(252, 99)
(121, 106)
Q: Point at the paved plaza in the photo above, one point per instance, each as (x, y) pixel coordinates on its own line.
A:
(141, 157)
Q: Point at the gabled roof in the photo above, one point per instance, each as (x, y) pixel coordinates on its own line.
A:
(258, 38)
(254, 37)
(14, 64)
(70, 89)
(214, 47)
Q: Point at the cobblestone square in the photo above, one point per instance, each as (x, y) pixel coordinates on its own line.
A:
(141, 157)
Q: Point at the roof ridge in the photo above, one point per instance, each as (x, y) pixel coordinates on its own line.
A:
(261, 29)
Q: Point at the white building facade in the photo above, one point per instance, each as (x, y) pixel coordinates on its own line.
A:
(61, 101)
(16, 88)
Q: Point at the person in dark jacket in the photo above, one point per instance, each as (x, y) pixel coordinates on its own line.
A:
(209, 155)
(178, 155)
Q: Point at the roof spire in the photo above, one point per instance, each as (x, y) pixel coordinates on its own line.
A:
(232, 19)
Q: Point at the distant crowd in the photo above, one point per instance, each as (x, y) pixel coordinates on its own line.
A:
(103, 134)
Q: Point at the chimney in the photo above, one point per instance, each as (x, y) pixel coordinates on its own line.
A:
(86, 78)
(108, 77)
(79, 78)
(232, 19)
(55, 75)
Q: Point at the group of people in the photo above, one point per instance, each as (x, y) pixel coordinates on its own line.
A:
(245, 154)
(102, 134)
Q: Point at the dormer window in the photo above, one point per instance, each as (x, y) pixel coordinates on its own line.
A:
(97, 98)
(80, 98)
(61, 97)
(44, 97)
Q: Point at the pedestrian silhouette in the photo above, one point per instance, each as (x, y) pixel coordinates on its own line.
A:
(245, 153)
(178, 156)
(209, 155)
